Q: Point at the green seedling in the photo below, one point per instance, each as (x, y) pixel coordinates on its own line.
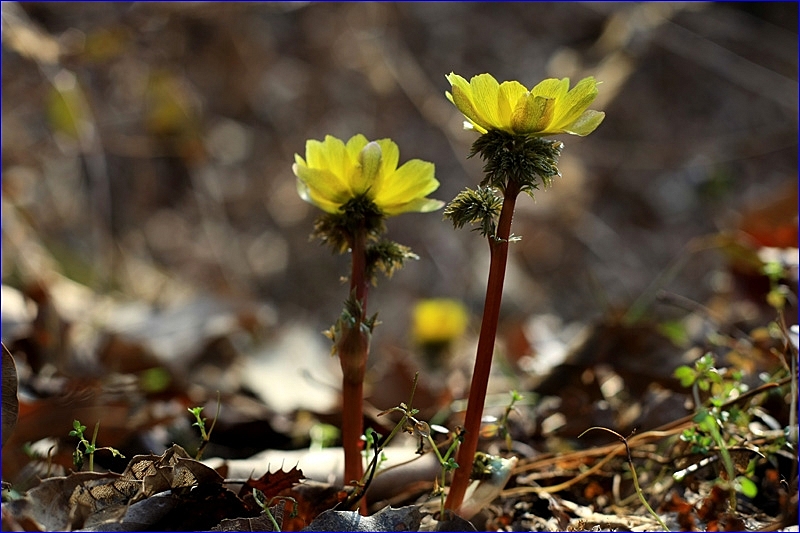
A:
(711, 417)
(89, 448)
(779, 293)
(323, 436)
(777, 297)
(500, 428)
(635, 478)
(408, 423)
(265, 505)
(422, 431)
(200, 422)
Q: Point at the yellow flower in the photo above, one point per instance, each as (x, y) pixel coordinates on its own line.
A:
(549, 108)
(439, 320)
(334, 173)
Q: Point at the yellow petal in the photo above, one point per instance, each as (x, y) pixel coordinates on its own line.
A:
(337, 160)
(418, 205)
(414, 179)
(463, 98)
(586, 123)
(355, 145)
(576, 101)
(370, 160)
(509, 95)
(328, 207)
(314, 196)
(330, 155)
(463, 101)
(390, 156)
(485, 96)
(552, 88)
(455, 79)
(461, 94)
(322, 184)
(533, 114)
(316, 154)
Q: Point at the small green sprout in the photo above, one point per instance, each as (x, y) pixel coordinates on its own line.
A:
(779, 292)
(635, 478)
(323, 436)
(200, 422)
(89, 448)
(422, 430)
(265, 505)
(499, 427)
(723, 385)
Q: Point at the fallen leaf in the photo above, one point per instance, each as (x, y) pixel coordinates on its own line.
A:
(270, 484)
(94, 500)
(10, 400)
(387, 519)
(259, 523)
(313, 498)
(173, 469)
(55, 504)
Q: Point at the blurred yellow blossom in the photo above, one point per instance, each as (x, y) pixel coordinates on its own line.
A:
(333, 173)
(550, 108)
(439, 320)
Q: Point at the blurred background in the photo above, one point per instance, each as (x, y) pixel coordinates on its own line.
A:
(147, 152)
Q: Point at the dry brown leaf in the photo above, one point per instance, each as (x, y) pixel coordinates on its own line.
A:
(62, 503)
(173, 469)
(270, 484)
(91, 499)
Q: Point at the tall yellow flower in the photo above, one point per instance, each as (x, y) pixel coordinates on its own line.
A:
(334, 173)
(550, 108)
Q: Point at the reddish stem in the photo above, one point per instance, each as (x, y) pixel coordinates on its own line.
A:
(353, 348)
(498, 247)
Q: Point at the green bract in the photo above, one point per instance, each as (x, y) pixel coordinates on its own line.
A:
(550, 108)
(334, 173)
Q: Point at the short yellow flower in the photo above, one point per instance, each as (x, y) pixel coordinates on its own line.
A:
(550, 108)
(334, 173)
(438, 320)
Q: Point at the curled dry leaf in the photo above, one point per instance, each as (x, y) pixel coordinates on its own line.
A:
(92, 499)
(58, 503)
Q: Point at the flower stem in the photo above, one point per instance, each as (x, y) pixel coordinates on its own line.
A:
(353, 358)
(498, 246)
